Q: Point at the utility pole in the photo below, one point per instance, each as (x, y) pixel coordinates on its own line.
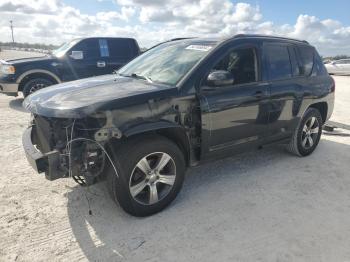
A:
(11, 26)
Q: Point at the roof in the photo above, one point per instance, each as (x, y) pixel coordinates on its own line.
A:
(253, 36)
(269, 37)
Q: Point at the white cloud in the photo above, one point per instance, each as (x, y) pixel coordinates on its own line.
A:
(125, 14)
(151, 21)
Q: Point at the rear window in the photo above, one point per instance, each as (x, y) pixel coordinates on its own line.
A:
(279, 66)
(122, 48)
(307, 59)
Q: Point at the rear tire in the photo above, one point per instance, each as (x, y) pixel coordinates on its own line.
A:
(142, 187)
(308, 133)
(34, 85)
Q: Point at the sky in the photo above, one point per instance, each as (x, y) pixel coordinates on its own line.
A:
(325, 24)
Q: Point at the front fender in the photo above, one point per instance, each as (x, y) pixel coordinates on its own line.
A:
(149, 126)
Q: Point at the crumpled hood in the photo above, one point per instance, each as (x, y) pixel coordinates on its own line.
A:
(80, 98)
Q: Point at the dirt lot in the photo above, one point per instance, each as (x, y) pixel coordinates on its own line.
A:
(11, 54)
(259, 206)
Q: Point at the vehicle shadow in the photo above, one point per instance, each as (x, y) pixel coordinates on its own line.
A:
(220, 205)
(16, 104)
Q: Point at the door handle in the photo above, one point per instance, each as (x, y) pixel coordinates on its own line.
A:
(259, 94)
(101, 63)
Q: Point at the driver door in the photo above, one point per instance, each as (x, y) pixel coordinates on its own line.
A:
(235, 115)
(85, 66)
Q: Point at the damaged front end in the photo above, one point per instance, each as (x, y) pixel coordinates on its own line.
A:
(67, 147)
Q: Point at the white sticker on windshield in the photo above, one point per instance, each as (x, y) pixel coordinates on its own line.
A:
(204, 48)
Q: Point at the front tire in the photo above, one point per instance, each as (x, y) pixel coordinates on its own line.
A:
(34, 85)
(151, 172)
(308, 133)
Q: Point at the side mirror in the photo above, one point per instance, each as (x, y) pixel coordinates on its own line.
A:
(220, 78)
(77, 55)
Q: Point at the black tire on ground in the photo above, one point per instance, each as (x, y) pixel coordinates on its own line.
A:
(126, 157)
(306, 130)
(35, 84)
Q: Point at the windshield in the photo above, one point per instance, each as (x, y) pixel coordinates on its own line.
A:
(61, 51)
(166, 63)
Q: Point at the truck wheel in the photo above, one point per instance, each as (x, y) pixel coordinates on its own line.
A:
(35, 84)
(308, 133)
(150, 175)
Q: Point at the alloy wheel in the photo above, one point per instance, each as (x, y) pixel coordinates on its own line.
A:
(310, 132)
(36, 87)
(152, 178)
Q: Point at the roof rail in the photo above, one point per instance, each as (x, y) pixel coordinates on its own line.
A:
(171, 40)
(180, 38)
(270, 36)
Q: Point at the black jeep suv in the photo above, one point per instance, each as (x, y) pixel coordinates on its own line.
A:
(175, 106)
(77, 59)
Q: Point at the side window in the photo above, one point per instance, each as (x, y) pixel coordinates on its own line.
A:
(242, 63)
(307, 59)
(121, 48)
(318, 68)
(279, 66)
(89, 47)
(294, 61)
(104, 52)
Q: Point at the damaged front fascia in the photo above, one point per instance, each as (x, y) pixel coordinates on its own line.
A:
(122, 107)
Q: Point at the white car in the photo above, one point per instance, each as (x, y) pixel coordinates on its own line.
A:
(341, 66)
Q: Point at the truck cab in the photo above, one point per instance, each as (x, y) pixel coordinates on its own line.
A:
(77, 59)
(178, 105)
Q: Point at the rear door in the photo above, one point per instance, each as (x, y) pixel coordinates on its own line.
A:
(286, 89)
(121, 51)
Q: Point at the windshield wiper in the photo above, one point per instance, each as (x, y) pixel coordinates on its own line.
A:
(134, 75)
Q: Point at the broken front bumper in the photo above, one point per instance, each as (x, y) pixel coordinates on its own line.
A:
(42, 162)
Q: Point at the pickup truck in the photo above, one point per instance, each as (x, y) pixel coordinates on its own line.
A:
(178, 105)
(79, 58)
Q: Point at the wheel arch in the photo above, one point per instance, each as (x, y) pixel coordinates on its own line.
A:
(32, 74)
(171, 131)
(322, 107)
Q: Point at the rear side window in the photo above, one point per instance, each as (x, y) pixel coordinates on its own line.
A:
(294, 61)
(318, 68)
(104, 52)
(279, 66)
(307, 59)
(122, 48)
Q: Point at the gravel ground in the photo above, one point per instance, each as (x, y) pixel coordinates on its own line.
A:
(12, 54)
(259, 206)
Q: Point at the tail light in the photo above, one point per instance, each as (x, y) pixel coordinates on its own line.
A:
(333, 86)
